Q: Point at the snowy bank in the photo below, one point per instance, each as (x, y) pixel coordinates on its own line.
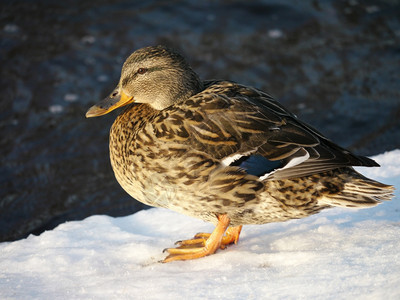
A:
(337, 254)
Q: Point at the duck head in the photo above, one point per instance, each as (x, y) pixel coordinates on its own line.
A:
(157, 76)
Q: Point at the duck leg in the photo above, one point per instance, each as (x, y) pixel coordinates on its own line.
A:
(205, 244)
(231, 236)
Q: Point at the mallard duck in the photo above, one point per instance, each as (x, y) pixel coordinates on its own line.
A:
(222, 152)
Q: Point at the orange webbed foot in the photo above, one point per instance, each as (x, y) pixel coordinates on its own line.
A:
(204, 244)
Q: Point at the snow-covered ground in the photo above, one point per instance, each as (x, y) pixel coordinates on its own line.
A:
(337, 254)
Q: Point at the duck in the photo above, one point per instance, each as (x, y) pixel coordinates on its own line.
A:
(222, 152)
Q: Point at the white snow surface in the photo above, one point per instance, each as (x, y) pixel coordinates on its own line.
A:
(337, 254)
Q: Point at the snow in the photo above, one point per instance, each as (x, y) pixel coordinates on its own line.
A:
(337, 254)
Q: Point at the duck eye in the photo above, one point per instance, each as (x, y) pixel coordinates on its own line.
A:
(141, 70)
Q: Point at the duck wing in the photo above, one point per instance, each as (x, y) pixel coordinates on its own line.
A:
(245, 127)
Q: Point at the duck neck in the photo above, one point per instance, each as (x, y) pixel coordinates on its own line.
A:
(177, 89)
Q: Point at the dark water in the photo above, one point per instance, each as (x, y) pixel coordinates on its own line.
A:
(334, 63)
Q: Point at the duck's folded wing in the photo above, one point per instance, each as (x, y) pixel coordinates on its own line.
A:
(247, 128)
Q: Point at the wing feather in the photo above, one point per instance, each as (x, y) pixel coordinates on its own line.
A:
(228, 120)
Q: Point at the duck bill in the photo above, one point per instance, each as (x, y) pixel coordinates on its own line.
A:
(109, 104)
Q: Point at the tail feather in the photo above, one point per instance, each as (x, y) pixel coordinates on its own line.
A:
(358, 192)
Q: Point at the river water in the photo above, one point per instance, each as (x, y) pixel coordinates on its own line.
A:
(336, 64)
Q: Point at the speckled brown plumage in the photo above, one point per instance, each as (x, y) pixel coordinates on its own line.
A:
(189, 146)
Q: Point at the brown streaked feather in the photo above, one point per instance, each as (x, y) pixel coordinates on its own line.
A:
(233, 119)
